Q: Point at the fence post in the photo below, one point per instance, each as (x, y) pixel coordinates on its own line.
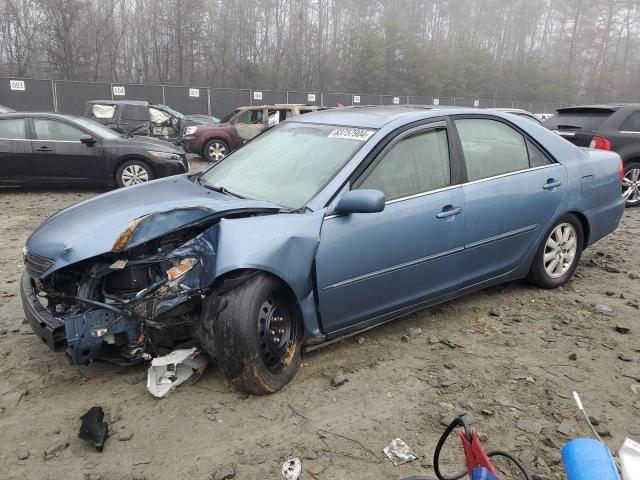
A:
(208, 101)
(54, 96)
(163, 100)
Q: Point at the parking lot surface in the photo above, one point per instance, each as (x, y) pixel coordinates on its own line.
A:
(510, 355)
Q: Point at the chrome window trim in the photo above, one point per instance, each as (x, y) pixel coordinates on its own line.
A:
(417, 195)
(628, 131)
(57, 141)
(507, 174)
(17, 139)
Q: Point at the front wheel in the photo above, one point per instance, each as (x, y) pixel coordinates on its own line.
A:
(133, 172)
(255, 332)
(559, 253)
(215, 150)
(631, 184)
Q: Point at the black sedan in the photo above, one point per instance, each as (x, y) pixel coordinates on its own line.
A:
(49, 147)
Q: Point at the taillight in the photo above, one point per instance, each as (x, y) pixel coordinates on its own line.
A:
(600, 143)
(621, 171)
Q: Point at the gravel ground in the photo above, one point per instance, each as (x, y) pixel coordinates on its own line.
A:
(510, 355)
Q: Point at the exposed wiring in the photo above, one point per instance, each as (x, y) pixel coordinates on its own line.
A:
(462, 422)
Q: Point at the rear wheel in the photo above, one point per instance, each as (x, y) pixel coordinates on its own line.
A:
(255, 332)
(631, 184)
(133, 172)
(559, 253)
(215, 150)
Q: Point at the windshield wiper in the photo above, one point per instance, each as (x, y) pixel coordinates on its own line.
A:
(218, 188)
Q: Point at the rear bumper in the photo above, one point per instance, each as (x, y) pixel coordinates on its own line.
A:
(604, 219)
(49, 329)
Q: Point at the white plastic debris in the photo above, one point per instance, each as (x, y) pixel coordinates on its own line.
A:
(166, 373)
(291, 469)
(399, 452)
(630, 456)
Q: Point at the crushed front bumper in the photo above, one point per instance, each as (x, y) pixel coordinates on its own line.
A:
(94, 334)
(49, 329)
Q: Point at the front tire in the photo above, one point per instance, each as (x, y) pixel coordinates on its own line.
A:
(631, 184)
(215, 150)
(254, 330)
(133, 172)
(559, 253)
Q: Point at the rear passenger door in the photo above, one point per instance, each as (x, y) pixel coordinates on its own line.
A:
(513, 190)
(15, 149)
(58, 153)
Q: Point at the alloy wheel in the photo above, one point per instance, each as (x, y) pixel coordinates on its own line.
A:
(560, 250)
(134, 174)
(631, 186)
(217, 151)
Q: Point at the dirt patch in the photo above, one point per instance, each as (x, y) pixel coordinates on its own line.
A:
(510, 355)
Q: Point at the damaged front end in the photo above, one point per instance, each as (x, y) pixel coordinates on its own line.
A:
(139, 300)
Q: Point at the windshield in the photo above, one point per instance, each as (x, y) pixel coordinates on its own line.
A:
(289, 164)
(226, 118)
(96, 128)
(173, 112)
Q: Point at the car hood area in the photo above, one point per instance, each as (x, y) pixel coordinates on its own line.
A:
(122, 219)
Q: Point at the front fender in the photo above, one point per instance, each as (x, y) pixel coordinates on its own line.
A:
(284, 245)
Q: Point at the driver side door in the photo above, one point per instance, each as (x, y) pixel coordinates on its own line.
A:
(374, 265)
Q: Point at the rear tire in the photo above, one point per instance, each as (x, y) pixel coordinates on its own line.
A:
(631, 184)
(254, 330)
(215, 150)
(559, 253)
(133, 172)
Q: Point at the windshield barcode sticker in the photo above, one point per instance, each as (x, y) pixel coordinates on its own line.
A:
(352, 134)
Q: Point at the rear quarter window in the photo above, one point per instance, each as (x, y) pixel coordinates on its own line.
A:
(632, 123)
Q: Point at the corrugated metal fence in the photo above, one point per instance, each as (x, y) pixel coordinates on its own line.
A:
(70, 96)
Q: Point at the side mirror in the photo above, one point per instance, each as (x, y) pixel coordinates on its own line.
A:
(87, 140)
(361, 201)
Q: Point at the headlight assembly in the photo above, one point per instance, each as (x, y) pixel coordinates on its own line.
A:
(164, 155)
(190, 130)
(180, 268)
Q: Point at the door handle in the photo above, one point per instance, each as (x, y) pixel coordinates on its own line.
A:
(44, 149)
(551, 183)
(449, 211)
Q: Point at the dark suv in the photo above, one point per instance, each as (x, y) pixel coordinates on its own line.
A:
(137, 117)
(606, 127)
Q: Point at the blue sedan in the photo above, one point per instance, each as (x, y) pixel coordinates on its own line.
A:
(323, 226)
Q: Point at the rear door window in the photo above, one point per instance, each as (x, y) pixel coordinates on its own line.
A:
(13, 129)
(491, 148)
(54, 130)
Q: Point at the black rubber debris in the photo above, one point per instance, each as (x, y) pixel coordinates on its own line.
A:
(93, 429)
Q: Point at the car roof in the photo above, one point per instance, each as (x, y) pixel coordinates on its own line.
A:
(511, 110)
(275, 105)
(143, 103)
(377, 116)
(62, 116)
